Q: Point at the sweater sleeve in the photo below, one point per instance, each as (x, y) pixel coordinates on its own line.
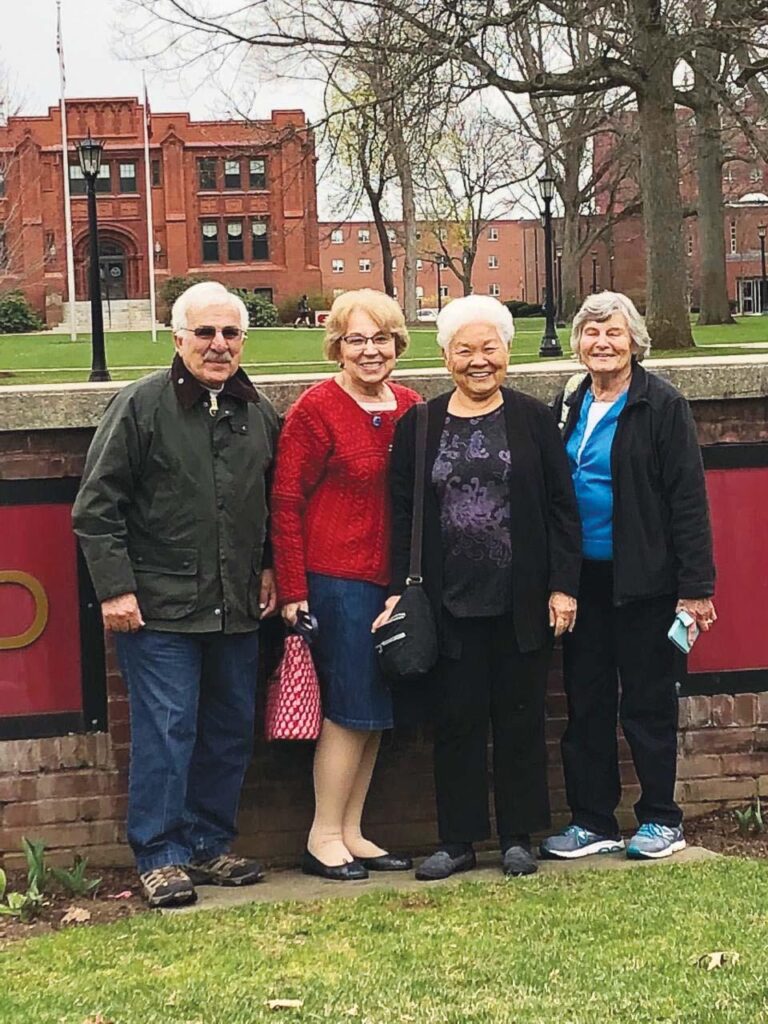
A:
(563, 524)
(303, 451)
(401, 469)
(682, 473)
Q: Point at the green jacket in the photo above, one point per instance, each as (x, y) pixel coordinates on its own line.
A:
(173, 501)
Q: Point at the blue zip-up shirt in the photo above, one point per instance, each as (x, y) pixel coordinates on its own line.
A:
(592, 479)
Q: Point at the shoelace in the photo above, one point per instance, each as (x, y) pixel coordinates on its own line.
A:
(653, 831)
(581, 834)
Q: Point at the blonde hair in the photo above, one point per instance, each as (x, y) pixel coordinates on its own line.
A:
(382, 309)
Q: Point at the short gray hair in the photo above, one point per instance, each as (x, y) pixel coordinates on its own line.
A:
(200, 295)
(601, 307)
(473, 309)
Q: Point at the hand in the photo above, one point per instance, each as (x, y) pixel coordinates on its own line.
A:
(701, 610)
(121, 614)
(562, 612)
(291, 610)
(267, 593)
(389, 607)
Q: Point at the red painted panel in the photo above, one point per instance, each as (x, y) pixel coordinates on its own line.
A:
(38, 547)
(739, 640)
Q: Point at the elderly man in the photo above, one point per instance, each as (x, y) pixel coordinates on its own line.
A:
(172, 518)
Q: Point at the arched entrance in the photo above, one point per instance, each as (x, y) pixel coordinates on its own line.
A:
(120, 267)
(113, 269)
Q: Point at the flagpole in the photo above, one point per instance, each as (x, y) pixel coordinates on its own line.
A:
(150, 223)
(65, 171)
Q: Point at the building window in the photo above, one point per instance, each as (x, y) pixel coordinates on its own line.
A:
(732, 239)
(104, 179)
(155, 172)
(76, 180)
(235, 252)
(391, 234)
(444, 292)
(2, 181)
(493, 289)
(260, 239)
(394, 292)
(232, 178)
(257, 173)
(728, 175)
(206, 173)
(128, 177)
(493, 262)
(394, 263)
(50, 248)
(210, 235)
(690, 246)
(419, 292)
(419, 264)
(337, 237)
(3, 249)
(755, 174)
(493, 234)
(363, 235)
(364, 266)
(265, 293)
(337, 266)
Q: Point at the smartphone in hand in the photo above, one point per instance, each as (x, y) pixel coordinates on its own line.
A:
(678, 632)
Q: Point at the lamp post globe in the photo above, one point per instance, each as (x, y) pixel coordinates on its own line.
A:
(550, 343)
(89, 154)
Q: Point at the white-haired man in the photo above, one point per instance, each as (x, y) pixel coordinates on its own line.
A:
(172, 519)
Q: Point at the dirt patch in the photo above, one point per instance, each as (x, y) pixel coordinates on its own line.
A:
(102, 908)
(719, 831)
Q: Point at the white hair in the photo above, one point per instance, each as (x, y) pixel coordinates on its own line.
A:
(201, 295)
(601, 307)
(473, 309)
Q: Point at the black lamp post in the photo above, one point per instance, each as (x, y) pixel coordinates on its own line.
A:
(612, 260)
(89, 154)
(594, 271)
(550, 344)
(763, 288)
(440, 262)
(559, 269)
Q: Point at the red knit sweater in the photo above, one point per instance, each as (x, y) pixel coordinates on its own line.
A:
(330, 500)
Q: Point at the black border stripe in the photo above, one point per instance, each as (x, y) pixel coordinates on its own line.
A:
(32, 727)
(752, 455)
(705, 684)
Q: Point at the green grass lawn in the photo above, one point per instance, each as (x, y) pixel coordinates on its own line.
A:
(592, 947)
(53, 358)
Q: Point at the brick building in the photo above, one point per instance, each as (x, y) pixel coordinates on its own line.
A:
(232, 200)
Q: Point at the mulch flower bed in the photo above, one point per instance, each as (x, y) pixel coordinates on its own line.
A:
(719, 831)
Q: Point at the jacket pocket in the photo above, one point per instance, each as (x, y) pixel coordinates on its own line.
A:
(166, 581)
(254, 585)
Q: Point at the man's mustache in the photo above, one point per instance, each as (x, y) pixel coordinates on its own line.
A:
(217, 357)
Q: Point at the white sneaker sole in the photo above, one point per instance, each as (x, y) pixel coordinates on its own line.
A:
(642, 855)
(603, 846)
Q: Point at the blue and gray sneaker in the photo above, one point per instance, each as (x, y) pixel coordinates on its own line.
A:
(651, 842)
(576, 841)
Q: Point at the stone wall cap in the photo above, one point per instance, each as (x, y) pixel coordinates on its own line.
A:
(79, 406)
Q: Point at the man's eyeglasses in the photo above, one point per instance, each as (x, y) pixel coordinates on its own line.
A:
(359, 341)
(208, 333)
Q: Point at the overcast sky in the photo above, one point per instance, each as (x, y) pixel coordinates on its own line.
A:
(95, 45)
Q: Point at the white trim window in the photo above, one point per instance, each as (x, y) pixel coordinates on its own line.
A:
(493, 262)
(337, 237)
(732, 237)
(493, 234)
(337, 266)
(494, 290)
(364, 266)
(363, 235)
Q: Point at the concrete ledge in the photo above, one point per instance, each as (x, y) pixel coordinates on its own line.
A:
(77, 406)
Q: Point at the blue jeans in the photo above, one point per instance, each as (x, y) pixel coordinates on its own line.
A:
(192, 701)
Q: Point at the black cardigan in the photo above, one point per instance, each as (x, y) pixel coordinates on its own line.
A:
(662, 539)
(544, 519)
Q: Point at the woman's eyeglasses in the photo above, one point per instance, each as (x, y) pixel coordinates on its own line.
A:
(359, 341)
(208, 333)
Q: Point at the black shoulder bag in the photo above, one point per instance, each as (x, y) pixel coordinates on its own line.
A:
(407, 642)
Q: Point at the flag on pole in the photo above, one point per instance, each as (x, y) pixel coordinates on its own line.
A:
(65, 171)
(150, 222)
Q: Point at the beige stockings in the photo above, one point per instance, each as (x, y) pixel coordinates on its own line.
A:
(344, 761)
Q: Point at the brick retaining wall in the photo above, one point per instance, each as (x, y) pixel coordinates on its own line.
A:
(70, 791)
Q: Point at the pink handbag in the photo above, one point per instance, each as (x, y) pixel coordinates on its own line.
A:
(293, 701)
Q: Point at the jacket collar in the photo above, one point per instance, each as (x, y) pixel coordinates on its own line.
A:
(189, 390)
(637, 391)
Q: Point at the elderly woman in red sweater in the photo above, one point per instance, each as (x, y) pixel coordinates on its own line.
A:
(330, 532)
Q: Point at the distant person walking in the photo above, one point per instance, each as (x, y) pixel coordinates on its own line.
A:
(303, 312)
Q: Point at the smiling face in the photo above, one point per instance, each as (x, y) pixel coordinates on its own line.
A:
(477, 359)
(371, 362)
(211, 360)
(605, 347)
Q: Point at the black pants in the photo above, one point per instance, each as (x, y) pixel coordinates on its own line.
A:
(493, 680)
(608, 647)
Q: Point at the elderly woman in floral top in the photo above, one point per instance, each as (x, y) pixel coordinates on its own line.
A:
(501, 560)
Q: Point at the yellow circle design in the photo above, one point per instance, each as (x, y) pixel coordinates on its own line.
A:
(39, 596)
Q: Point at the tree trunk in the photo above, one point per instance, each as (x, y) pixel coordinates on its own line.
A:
(666, 303)
(714, 307)
(374, 199)
(570, 263)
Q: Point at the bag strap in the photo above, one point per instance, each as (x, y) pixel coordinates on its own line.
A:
(417, 519)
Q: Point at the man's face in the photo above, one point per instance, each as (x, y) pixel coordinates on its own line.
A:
(211, 357)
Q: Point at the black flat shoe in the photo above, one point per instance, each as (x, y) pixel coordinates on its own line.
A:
(352, 872)
(387, 862)
(518, 860)
(442, 865)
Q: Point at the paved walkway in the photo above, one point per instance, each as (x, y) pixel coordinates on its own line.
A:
(292, 885)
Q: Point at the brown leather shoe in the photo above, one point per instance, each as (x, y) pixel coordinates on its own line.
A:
(226, 869)
(168, 886)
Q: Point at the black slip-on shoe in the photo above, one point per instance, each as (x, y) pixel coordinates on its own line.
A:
(518, 860)
(442, 865)
(387, 862)
(351, 872)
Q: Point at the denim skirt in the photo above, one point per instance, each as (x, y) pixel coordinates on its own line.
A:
(354, 692)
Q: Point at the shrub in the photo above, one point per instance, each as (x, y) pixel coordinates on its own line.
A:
(170, 290)
(520, 309)
(286, 308)
(16, 314)
(261, 312)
